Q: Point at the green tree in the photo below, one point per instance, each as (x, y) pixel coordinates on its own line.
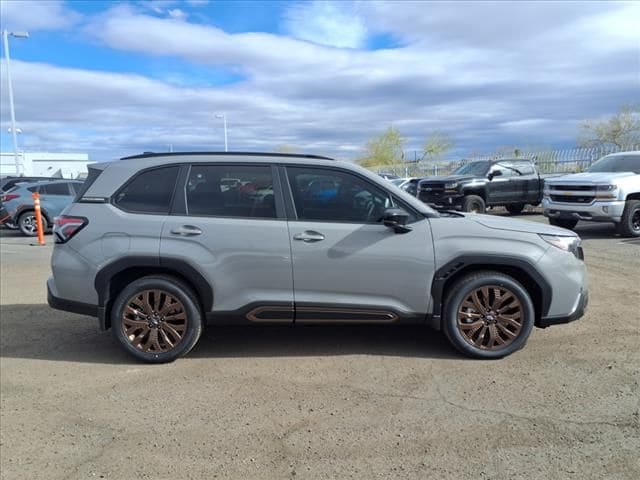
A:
(436, 145)
(620, 130)
(383, 150)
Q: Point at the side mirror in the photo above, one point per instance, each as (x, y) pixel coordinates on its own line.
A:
(396, 218)
(496, 173)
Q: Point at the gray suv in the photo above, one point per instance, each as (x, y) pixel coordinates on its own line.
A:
(158, 245)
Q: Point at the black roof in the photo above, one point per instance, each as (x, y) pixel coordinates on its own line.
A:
(255, 154)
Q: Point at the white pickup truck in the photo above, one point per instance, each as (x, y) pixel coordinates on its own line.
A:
(609, 191)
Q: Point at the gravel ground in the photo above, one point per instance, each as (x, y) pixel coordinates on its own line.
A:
(321, 402)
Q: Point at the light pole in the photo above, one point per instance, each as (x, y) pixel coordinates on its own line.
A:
(223, 116)
(14, 131)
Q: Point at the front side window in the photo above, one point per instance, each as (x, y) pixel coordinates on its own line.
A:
(330, 195)
(503, 168)
(616, 163)
(149, 192)
(243, 191)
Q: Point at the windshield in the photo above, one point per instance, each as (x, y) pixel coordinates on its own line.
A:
(617, 163)
(473, 168)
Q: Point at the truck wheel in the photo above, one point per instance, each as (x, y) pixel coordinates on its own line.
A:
(488, 315)
(629, 226)
(157, 319)
(567, 223)
(473, 204)
(515, 208)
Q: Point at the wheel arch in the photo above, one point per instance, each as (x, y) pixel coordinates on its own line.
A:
(633, 196)
(520, 269)
(113, 277)
(480, 191)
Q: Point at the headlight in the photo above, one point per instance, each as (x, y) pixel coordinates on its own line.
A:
(606, 191)
(450, 186)
(571, 244)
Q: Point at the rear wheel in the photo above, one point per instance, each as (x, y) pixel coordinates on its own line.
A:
(567, 223)
(157, 319)
(488, 315)
(473, 204)
(515, 208)
(629, 225)
(27, 224)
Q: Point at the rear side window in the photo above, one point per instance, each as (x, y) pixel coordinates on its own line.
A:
(149, 192)
(55, 189)
(243, 191)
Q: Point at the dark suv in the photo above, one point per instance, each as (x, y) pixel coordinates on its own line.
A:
(156, 245)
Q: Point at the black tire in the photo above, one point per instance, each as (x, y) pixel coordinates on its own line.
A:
(629, 226)
(473, 203)
(515, 208)
(498, 282)
(169, 287)
(568, 223)
(27, 223)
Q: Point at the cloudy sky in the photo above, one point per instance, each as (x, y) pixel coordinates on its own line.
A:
(116, 78)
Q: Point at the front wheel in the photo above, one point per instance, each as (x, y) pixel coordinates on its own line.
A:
(567, 223)
(473, 204)
(629, 225)
(156, 319)
(488, 315)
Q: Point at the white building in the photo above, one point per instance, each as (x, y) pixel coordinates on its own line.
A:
(44, 164)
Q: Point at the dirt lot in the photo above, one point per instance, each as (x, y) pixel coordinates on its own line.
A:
(321, 402)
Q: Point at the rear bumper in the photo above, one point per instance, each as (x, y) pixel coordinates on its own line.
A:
(65, 305)
(581, 306)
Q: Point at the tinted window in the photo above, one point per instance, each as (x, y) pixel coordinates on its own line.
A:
(474, 168)
(331, 195)
(525, 168)
(149, 192)
(55, 189)
(231, 191)
(505, 172)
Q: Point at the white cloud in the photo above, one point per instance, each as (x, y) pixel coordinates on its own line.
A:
(36, 15)
(177, 14)
(326, 23)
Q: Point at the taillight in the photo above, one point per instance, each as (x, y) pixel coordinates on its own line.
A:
(67, 226)
(8, 196)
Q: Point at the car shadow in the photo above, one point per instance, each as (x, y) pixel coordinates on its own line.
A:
(40, 333)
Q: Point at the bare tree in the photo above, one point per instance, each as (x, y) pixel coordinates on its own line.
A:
(436, 145)
(620, 130)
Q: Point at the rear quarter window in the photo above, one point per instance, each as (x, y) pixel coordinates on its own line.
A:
(150, 191)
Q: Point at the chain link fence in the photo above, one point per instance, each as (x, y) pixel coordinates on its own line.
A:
(572, 160)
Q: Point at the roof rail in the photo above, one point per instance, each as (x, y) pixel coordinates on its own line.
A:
(255, 154)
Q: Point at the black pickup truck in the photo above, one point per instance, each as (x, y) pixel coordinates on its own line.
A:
(511, 183)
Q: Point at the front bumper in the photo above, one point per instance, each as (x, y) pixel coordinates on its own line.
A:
(594, 212)
(581, 306)
(442, 200)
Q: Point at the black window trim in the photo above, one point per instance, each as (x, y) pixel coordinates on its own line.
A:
(292, 214)
(112, 198)
(275, 179)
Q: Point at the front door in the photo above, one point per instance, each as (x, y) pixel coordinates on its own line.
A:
(347, 266)
(233, 234)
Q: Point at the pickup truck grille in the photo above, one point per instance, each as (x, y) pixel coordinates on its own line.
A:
(581, 194)
(432, 187)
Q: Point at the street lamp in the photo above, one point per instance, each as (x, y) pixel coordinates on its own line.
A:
(14, 130)
(223, 116)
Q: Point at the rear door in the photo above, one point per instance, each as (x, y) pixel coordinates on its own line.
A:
(54, 197)
(347, 266)
(229, 224)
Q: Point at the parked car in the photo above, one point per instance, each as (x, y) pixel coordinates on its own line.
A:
(389, 176)
(54, 197)
(408, 184)
(473, 187)
(609, 191)
(154, 255)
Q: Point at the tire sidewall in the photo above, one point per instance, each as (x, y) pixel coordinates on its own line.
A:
(461, 290)
(470, 200)
(631, 207)
(182, 293)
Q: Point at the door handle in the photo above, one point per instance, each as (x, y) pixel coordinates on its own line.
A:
(187, 230)
(309, 236)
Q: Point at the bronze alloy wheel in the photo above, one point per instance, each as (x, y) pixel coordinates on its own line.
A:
(490, 317)
(154, 321)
